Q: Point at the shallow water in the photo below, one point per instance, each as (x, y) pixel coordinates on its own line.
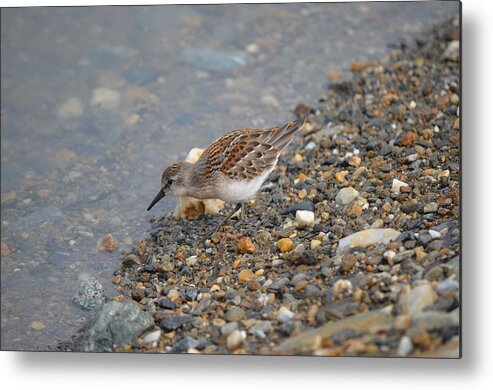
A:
(78, 163)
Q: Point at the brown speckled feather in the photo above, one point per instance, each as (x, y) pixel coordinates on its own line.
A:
(246, 153)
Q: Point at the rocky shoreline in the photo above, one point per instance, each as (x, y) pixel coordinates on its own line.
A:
(350, 249)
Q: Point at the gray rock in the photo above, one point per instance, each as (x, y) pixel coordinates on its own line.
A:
(168, 304)
(234, 313)
(346, 196)
(366, 238)
(434, 320)
(49, 214)
(278, 284)
(435, 245)
(261, 329)
(213, 60)
(59, 259)
(312, 291)
(174, 322)
(446, 286)
(409, 254)
(90, 294)
(305, 205)
(116, 325)
(430, 207)
(141, 76)
(226, 329)
(184, 345)
(298, 278)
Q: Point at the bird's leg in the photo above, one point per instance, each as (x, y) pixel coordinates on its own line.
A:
(237, 207)
(242, 215)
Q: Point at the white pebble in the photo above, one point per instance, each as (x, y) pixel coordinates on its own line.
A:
(346, 196)
(389, 255)
(284, 314)
(434, 234)
(405, 346)
(397, 184)
(105, 98)
(192, 260)
(153, 336)
(305, 217)
(235, 338)
(342, 288)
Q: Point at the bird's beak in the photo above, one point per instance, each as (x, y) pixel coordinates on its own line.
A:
(161, 194)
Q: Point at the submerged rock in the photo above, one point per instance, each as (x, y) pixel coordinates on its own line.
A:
(116, 325)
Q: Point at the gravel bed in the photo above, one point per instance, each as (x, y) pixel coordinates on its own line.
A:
(351, 247)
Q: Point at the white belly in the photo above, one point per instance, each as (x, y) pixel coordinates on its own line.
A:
(239, 191)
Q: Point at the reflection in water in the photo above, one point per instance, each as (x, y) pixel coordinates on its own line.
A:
(96, 101)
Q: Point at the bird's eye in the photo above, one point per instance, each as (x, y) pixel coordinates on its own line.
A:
(170, 181)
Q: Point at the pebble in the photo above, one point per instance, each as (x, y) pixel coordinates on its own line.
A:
(434, 234)
(304, 218)
(346, 196)
(405, 346)
(174, 322)
(341, 176)
(402, 322)
(168, 304)
(397, 184)
(70, 108)
(408, 138)
(226, 329)
(447, 285)
(246, 275)
(106, 98)
(389, 255)
(90, 294)
(417, 299)
(284, 314)
(366, 238)
(5, 250)
(191, 261)
(348, 262)
(114, 326)
(285, 245)
(107, 243)
(431, 207)
(173, 294)
(305, 205)
(235, 339)
(37, 325)
(452, 52)
(314, 244)
(261, 329)
(245, 245)
(152, 337)
(342, 288)
(234, 313)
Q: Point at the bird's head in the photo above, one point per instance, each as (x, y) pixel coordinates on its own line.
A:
(173, 181)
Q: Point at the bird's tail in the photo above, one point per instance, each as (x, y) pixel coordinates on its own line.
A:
(281, 136)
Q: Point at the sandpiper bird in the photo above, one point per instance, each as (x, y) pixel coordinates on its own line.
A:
(232, 168)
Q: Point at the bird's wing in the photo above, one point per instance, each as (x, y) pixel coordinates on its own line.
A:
(245, 154)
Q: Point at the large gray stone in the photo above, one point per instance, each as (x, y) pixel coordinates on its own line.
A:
(116, 325)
